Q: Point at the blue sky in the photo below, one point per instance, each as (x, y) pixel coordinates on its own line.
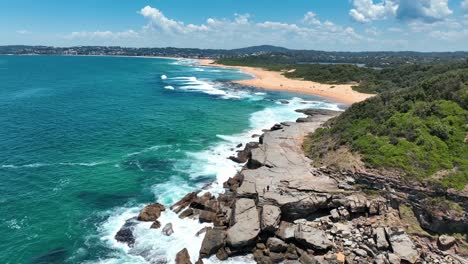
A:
(422, 25)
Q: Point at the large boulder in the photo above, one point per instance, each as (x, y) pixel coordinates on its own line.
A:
(244, 155)
(380, 238)
(213, 241)
(125, 234)
(246, 224)
(312, 237)
(286, 230)
(402, 245)
(276, 245)
(184, 202)
(151, 212)
(183, 257)
(207, 216)
(167, 229)
(446, 242)
(271, 216)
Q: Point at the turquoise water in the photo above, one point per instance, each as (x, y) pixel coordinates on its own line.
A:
(87, 141)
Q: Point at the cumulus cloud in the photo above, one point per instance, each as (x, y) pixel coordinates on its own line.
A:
(428, 11)
(311, 18)
(366, 10)
(237, 31)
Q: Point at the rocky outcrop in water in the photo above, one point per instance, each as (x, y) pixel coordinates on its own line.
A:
(280, 209)
(151, 212)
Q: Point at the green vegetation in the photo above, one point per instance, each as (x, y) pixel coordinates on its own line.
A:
(368, 80)
(416, 131)
(407, 216)
(416, 127)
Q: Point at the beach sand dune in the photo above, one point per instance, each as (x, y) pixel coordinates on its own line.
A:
(274, 80)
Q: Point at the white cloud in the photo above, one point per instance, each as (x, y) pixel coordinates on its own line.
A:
(428, 11)
(451, 35)
(311, 18)
(241, 30)
(366, 10)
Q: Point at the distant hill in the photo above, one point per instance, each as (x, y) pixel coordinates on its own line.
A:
(266, 54)
(260, 49)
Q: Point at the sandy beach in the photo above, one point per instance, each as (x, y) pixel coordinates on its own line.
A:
(273, 80)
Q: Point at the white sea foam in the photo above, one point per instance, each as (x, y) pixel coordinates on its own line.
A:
(39, 165)
(209, 162)
(193, 84)
(169, 87)
(163, 77)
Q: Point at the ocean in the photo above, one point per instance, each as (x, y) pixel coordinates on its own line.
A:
(86, 142)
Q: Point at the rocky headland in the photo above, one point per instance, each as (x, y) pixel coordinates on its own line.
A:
(281, 209)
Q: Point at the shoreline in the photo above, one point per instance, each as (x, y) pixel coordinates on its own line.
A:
(273, 80)
(268, 80)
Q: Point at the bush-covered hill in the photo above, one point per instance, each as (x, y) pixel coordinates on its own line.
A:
(420, 132)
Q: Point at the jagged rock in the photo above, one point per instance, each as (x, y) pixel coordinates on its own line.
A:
(156, 224)
(276, 257)
(312, 237)
(380, 238)
(394, 258)
(183, 257)
(167, 229)
(246, 224)
(205, 202)
(184, 202)
(380, 259)
(201, 231)
(207, 216)
(276, 245)
(276, 127)
(271, 216)
(125, 234)
(344, 213)
(213, 241)
(402, 245)
(222, 254)
(377, 206)
(244, 155)
(307, 259)
(260, 258)
(357, 203)
(367, 249)
(199, 262)
(360, 252)
(286, 230)
(186, 213)
(151, 212)
(446, 242)
(340, 258)
(335, 216)
(291, 252)
(234, 182)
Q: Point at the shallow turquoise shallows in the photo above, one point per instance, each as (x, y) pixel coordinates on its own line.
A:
(83, 137)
